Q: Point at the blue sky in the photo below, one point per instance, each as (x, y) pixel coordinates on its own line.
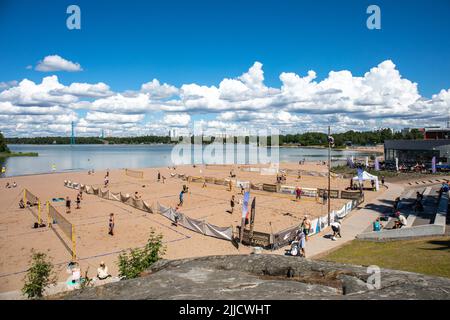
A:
(125, 44)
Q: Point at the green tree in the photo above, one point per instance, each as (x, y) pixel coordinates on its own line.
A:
(132, 263)
(39, 276)
(3, 146)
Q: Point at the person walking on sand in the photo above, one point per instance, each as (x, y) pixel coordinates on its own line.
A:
(78, 201)
(306, 226)
(159, 176)
(181, 198)
(176, 216)
(232, 204)
(325, 197)
(302, 244)
(111, 224)
(298, 193)
(68, 204)
(382, 181)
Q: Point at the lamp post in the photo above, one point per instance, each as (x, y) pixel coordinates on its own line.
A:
(329, 174)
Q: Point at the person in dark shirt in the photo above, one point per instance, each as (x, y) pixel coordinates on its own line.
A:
(232, 204)
(68, 204)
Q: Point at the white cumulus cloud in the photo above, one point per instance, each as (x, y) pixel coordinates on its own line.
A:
(56, 63)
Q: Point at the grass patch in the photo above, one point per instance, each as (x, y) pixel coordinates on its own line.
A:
(18, 154)
(427, 255)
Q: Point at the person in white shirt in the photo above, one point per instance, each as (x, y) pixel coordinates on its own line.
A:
(76, 275)
(401, 221)
(102, 272)
(336, 227)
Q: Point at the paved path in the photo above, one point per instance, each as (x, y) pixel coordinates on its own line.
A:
(357, 222)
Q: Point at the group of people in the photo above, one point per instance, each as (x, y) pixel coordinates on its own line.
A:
(160, 178)
(102, 273)
(78, 202)
(281, 178)
(22, 204)
(9, 185)
(106, 179)
(299, 243)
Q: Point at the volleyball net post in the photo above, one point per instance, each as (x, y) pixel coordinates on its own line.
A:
(56, 218)
(74, 245)
(49, 222)
(33, 200)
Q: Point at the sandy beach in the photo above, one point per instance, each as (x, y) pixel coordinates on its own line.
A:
(274, 212)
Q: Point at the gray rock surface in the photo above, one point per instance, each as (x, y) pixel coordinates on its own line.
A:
(259, 277)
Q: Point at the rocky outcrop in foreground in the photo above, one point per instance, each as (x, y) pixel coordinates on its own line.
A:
(266, 277)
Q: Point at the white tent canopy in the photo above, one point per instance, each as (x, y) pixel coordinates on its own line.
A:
(367, 176)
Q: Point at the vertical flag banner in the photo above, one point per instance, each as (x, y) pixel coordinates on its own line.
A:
(244, 213)
(367, 162)
(396, 164)
(252, 217)
(245, 205)
(377, 164)
(433, 165)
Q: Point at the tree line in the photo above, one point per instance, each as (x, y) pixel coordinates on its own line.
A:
(3, 147)
(302, 139)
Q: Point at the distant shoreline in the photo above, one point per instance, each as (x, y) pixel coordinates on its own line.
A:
(18, 154)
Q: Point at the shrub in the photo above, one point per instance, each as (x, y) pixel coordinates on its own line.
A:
(3, 146)
(39, 276)
(132, 263)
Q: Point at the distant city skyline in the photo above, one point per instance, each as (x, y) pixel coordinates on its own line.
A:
(150, 68)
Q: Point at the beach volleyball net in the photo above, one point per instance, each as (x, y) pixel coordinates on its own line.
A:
(134, 173)
(30, 200)
(56, 218)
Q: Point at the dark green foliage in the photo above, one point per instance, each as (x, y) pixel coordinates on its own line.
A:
(303, 139)
(3, 146)
(39, 276)
(134, 262)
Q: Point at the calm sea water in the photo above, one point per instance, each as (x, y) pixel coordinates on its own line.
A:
(100, 157)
